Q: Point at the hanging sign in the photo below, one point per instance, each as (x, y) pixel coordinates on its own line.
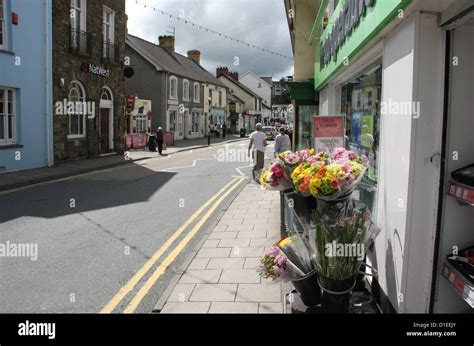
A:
(328, 132)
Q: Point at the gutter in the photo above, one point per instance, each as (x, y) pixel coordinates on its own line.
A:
(47, 101)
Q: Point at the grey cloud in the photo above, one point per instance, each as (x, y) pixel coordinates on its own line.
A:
(259, 22)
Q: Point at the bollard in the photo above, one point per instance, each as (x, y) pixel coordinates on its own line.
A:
(209, 139)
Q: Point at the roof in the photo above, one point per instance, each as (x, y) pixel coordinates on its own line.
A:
(265, 105)
(269, 80)
(259, 78)
(234, 98)
(174, 63)
(240, 85)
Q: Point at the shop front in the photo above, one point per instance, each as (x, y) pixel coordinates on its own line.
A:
(138, 117)
(383, 67)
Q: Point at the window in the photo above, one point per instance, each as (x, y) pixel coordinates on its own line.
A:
(185, 90)
(108, 23)
(220, 98)
(173, 114)
(259, 85)
(7, 116)
(173, 88)
(141, 123)
(360, 102)
(80, 40)
(77, 120)
(3, 25)
(195, 121)
(197, 92)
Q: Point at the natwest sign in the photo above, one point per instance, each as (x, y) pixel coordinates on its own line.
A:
(97, 70)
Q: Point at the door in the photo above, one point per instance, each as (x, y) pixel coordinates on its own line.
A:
(104, 131)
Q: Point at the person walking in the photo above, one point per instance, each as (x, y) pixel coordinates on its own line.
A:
(282, 141)
(159, 140)
(224, 129)
(258, 140)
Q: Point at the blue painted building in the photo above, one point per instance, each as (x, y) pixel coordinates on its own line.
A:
(26, 107)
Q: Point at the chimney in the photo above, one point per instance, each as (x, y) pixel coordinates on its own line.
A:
(167, 42)
(195, 55)
(234, 75)
(222, 70)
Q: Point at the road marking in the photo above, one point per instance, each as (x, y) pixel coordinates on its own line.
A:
(172, 256)
(240, 172)
(130, 285)
(170, 170)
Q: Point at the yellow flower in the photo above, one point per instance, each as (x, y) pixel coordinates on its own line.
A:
(311, 151)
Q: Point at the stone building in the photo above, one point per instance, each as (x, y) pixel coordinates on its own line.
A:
(88, 92)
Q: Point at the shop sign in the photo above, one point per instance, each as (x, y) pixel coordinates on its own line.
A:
(97, 70)
(353, 24)
(328, 132)
(130, 104)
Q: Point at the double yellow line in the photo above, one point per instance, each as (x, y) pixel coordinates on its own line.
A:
(130, 285)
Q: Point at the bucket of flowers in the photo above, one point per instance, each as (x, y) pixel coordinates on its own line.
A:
(275, 177)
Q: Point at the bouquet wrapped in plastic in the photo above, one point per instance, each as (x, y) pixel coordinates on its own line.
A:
(287, 260)
(276, 178)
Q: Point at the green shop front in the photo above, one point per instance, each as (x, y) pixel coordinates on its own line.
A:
(385, 67)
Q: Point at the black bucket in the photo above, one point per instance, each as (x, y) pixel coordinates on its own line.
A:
(308, 288)
(336, 294)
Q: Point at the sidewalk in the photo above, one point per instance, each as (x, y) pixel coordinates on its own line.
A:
(13, 180)
(222, 276)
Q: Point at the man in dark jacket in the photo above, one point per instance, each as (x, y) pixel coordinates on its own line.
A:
(159, 139)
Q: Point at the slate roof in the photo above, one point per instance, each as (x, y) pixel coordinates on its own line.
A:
(233, 97)
(174, 63)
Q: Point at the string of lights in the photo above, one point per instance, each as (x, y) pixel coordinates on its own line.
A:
(217, 33)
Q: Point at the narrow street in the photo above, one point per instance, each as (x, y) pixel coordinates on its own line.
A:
(98, 230)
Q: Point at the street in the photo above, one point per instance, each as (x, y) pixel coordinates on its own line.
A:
(101, 235)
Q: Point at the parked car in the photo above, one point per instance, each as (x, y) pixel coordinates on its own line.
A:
(270, 131)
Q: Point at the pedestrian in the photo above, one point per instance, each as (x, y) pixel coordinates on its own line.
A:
(216, 131)
(159, 139)
(258, 140)
(211, 128)
(282, 141)
(224, 129)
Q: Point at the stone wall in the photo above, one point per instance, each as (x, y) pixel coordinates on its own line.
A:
(67, 66)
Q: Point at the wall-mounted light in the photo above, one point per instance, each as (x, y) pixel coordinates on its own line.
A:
(61, 82)
(15, 18)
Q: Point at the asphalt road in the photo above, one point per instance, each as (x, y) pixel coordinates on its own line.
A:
(96, 231)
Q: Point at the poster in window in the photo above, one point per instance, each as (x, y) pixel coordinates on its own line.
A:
(328, 132)
(367, 132)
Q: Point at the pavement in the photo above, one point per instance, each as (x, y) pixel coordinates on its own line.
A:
(13, 180)
(221, 275)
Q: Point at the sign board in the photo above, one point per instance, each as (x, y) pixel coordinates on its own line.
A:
(328, 132)
(142, 106)
(97, 70)
(130, 104)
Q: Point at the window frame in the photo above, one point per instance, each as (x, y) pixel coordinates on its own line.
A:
(3, 25)
(108, 10)
(173, 96)
(84, 116)
(6, 114)
(82, 16)
(197, 95)
(186, 90)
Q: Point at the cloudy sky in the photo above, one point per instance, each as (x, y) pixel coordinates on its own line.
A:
(258, 22)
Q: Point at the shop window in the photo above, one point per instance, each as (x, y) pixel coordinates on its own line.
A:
(141, 123)
(185, 90)
(197, 92)
(7, 117)
(360, 102)
(173, 88)
(77, 120)
(195, 121)
(305, 125)
(173, 114)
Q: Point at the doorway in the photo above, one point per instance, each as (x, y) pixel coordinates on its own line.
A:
(106, 122)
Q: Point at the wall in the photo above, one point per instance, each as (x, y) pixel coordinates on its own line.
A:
(243, 95)
(252, 82)
(67, 66)
(305, 16)
(33, 121)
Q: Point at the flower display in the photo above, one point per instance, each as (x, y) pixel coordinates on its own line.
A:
(273, 264)
(275, 178)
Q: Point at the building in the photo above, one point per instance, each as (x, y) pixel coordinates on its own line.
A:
(405, 97)
(178, 86)
(252, 112)
(26, 138)
(88, 51)
(235, 108)
(261, 86)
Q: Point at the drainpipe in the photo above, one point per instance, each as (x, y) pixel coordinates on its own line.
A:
(47, 104)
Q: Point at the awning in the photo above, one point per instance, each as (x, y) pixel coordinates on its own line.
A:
(302, 90)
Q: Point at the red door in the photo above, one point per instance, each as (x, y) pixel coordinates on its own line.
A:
(104, 130)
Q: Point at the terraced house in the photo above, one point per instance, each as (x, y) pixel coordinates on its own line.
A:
(178, 86)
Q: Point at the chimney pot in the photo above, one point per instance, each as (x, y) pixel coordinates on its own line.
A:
(167, 42)
(195, 55)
